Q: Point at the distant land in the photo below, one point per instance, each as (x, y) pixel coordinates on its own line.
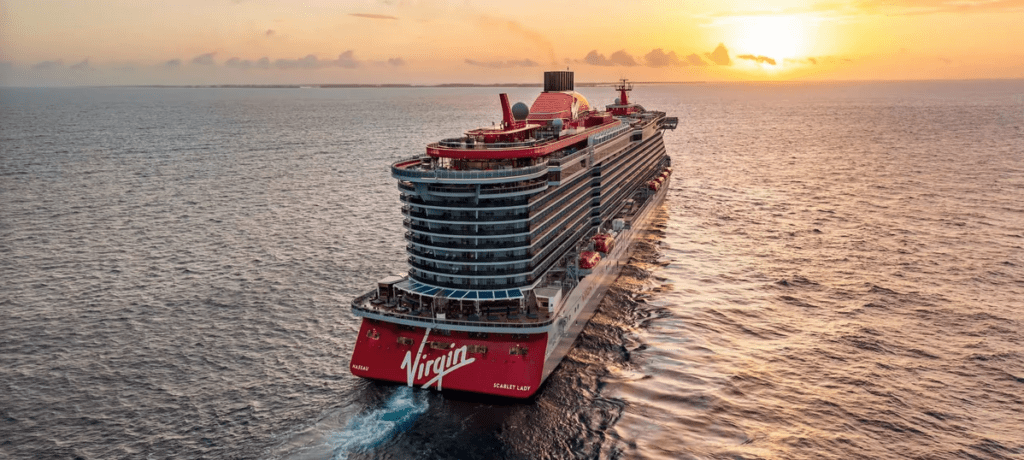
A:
(443, 85)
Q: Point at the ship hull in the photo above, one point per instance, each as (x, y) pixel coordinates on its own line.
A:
(509, 365)
(587, 296)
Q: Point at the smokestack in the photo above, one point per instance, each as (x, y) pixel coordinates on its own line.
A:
(507, 121)
(558, 80)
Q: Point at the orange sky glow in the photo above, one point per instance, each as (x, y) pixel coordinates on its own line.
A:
(114, 42)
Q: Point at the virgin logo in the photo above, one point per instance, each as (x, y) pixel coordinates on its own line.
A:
(438, 367)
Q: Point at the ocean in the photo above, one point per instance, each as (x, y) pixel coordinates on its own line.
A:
(837, 272)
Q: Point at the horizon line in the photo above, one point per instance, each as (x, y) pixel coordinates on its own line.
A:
(504, 85)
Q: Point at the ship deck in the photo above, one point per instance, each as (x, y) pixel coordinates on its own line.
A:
(462, 317)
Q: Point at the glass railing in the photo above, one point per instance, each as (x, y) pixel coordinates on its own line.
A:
(598, 139)
(483, 270)
(462, 143)
(363, 304)
(411, 169)
(466, 257)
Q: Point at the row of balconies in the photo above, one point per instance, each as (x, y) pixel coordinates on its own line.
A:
(455, 203)
(455, 282)
(473, 270)
(474, 256)
(555, 245)
(466, 230)
(465, 216)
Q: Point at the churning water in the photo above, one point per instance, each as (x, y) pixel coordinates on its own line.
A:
(838, 272)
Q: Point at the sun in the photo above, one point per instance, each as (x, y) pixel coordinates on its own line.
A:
(776, 37)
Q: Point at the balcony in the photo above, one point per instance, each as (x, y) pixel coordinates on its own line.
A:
(467, 244)
(475, 270)
(487, 230)
(415, 169)
(469, 257)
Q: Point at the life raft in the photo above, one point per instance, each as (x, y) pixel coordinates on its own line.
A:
(589, 259)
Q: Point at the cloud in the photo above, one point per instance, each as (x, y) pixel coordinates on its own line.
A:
(204, 59)
(620, 57)
(696, 60)
(373, 16)
(82, 66)
(48, 65)
(308, 62)
(719, 56)
(244, 64)
(503, 64)
(345, 60)
(758, 59)
(173, 64)
(397, 62)
(6, 66)
(595, 58)
(269, 33)
(237, 63)
(659, 58)
(810, 60)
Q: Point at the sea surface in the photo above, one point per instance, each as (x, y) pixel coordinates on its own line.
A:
(838, 272)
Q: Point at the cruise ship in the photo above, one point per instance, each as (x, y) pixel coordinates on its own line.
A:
(514, 233)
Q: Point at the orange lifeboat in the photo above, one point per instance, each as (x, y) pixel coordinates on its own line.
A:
(589, 259)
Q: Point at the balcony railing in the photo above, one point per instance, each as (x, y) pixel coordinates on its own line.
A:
(486, 230)
(475, 270)
(461, 143)
(410, 168)
(468, 257)
(467, 244)
(483, 204)
(467, 217)
(484, 284)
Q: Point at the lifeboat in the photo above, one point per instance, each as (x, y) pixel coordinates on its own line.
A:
(604, 243)
(589, 259)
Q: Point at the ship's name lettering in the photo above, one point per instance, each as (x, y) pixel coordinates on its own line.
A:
(509, 386)
(359, 367)
(438, 367)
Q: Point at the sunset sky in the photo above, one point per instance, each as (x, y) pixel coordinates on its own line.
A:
(44, 42)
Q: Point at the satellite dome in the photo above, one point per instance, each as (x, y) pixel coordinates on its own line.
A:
(557, 124)
(520, 111)
(618, 101)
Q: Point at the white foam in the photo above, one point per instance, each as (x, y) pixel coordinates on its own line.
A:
(370, 429)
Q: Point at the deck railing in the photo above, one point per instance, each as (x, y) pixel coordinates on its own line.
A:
(362, 303)
(410, 168)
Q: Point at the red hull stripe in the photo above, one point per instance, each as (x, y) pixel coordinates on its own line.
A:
(498, 364)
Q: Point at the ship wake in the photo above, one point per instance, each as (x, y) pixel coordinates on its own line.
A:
(371, 429)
